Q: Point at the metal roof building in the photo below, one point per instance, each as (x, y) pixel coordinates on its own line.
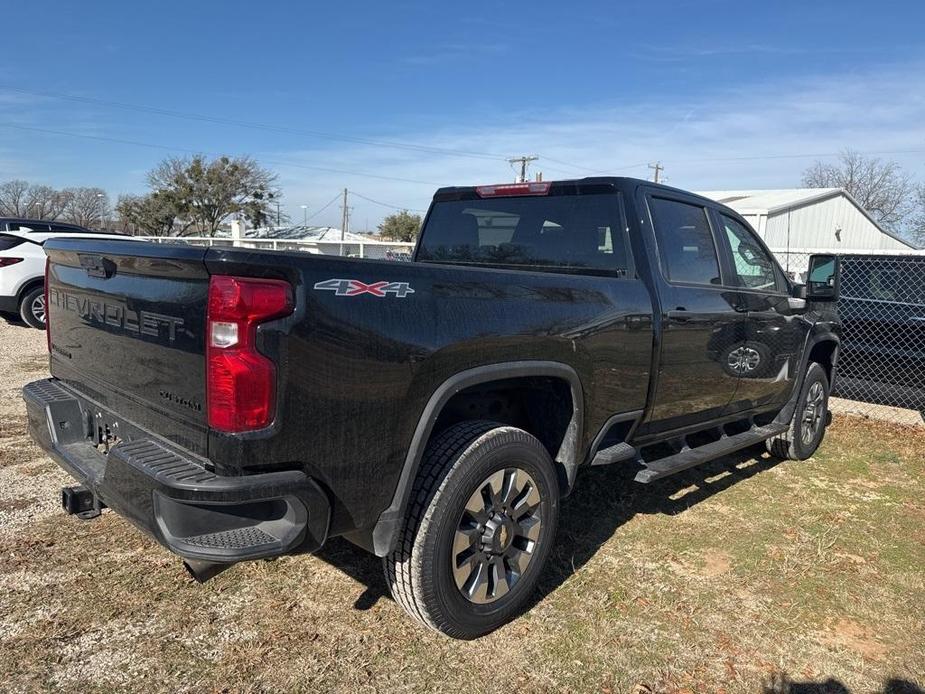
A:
(304, 233)
(817, 219)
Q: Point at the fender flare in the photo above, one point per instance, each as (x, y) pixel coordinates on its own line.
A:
(385, 532)
(813, 339)
(28, 286)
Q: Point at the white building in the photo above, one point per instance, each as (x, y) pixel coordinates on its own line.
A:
(810, 220)
(305, 233)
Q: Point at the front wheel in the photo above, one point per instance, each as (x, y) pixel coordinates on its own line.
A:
(807, 427)
(481, 522)
(32, 308)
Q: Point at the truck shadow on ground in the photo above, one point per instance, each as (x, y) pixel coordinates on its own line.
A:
(603, 500)
(781, 684)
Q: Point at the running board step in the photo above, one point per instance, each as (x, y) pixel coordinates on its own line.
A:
(692, 457)
(614, 454)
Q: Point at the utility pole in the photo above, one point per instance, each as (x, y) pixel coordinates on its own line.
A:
(658, 168)
(101, 201)
(523, 161)
(304, 215)
(345, 219)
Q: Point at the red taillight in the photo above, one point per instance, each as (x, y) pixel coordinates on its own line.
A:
(47, 306)
(241, 382)
(10, 261)
(510, 189)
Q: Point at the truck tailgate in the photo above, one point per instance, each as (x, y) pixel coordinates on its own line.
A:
(127, 322)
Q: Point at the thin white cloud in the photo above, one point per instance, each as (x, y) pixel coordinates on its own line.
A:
(759, 134)
(751, 135)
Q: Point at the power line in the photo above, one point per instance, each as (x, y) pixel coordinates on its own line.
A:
(385, 204)
(322, 209)
(150, 145)
(589, 169)
(793, 156)
(257, 126)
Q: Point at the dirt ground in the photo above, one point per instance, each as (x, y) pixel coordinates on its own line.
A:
(748, 575)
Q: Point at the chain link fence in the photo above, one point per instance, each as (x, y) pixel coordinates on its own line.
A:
(881, 364)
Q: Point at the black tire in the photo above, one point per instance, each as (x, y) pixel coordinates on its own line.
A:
(423, 571)
(792, 444)
(32, 308)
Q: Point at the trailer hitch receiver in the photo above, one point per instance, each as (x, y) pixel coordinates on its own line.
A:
(81, 502)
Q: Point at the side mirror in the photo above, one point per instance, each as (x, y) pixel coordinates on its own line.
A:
(823, 278)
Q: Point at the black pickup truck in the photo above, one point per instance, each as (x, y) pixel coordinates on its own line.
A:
(238, 404)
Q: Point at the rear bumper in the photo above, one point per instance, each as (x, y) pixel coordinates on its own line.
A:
(169, 493)
(8, 304)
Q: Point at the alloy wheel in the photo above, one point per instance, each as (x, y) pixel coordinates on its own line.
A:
(38, 308)
(813, 412)
(496, 535)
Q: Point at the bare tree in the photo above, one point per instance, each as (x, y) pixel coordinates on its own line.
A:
(918, 221)
(88, 207)
(880, 187)
(44, 202)
(205, 193)
(14, 197)
(23, 199)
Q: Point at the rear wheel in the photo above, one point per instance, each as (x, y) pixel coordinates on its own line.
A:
(807, 427)
(480, 525)
(32, 307)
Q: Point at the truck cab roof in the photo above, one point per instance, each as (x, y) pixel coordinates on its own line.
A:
(587, 185)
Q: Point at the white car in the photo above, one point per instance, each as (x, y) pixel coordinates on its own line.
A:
(22, 264)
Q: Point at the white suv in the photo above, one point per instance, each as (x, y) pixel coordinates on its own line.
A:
(22, 264)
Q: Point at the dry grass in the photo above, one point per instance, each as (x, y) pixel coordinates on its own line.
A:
(747, 575)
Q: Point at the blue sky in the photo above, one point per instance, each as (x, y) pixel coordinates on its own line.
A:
(725, 94)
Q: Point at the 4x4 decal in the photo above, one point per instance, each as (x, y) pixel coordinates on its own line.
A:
(342, 287)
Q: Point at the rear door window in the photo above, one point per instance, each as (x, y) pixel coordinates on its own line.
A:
(686, 248)
(558, 233)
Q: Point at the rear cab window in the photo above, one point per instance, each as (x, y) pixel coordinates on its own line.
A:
(579, 234)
